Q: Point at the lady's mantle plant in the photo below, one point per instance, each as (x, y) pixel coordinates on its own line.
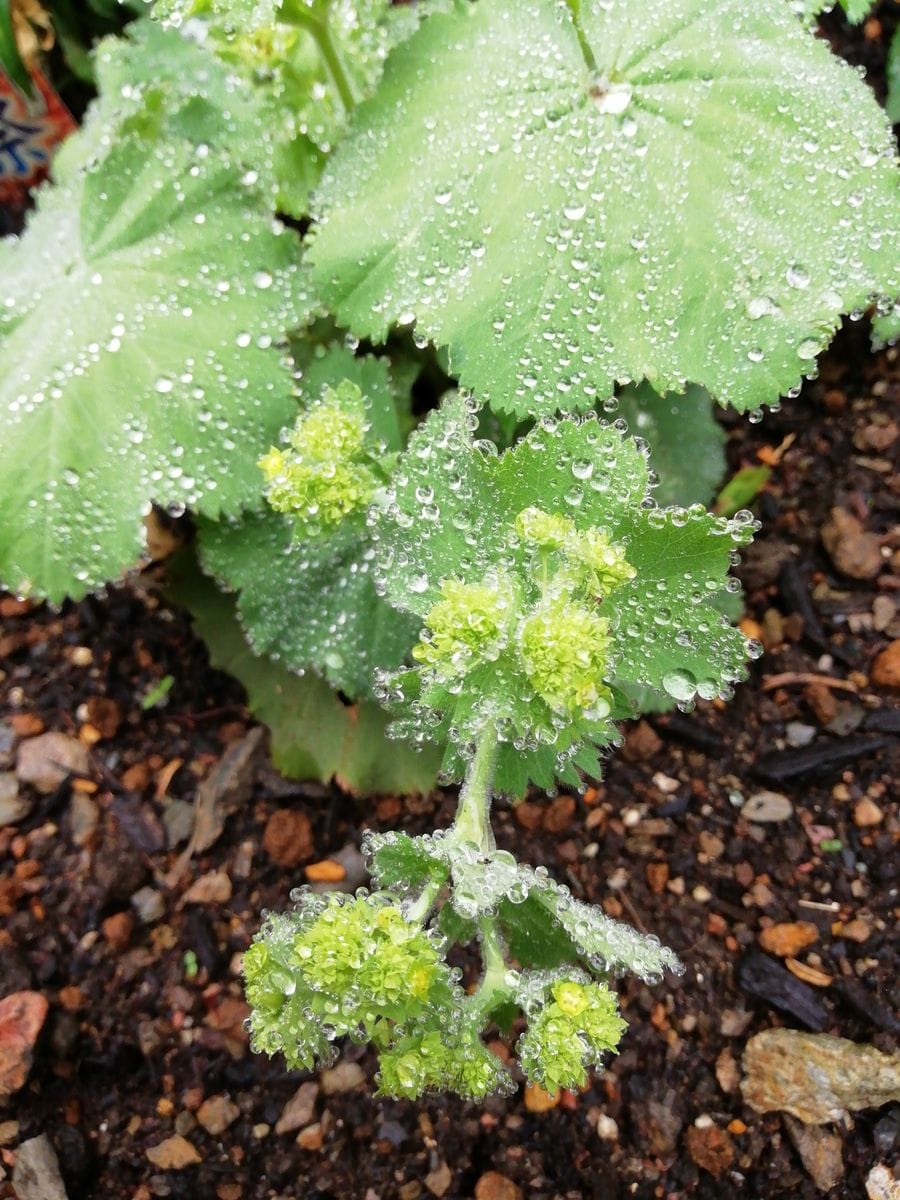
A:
(561, 198)
(549, 587)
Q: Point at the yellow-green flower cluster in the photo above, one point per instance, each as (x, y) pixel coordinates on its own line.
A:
(574, 1028)
(565, 650)
(589, 560)
(468, 624)
(347, 964)
(450, 1060)
(321, 477)
(372, 948)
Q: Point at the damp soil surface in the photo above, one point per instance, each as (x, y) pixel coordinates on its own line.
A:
(141, 1076)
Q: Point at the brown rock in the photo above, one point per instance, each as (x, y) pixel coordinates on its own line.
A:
(217, 1113)
(558, 817)
(710, 1148)
(529, 815)
(312, 1137)
(855, 552)
(856, 930)
(886, 667)
(288, 838)
(212, 888)
(788, 938)
(117, 929)
(326, 871)
(46, 761)
(174, 1154)
(22, 1016)
(815, 1077)
(822, 702)
(26, 724)
(137, 777)
(439, 1180)
(104, 715)
(820, 1152)
(867, 813)
(494, 1186)
(299, 1109)
(343, 1078)
(657, 876)
(641, 742)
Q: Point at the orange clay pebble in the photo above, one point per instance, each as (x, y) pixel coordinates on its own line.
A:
(326, 871)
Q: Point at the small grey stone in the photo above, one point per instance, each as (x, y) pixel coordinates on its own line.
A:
(149, 905)
(798, 734)
(178, 818)
(36, 1173)
(84, 816)
(767, 808)
(45, 761)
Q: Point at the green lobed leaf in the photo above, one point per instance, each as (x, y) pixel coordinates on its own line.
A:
(687, 445)
(692, 192)
(138, 318)
(314, 735)
(310, 601)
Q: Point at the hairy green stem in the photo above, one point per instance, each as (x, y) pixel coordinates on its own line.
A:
(315, 22)
(422, 907)
(473, 816)
(493, 988)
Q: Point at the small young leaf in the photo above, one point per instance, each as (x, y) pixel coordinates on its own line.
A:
(742, 489)
(623, 202)
(137, 318)
(400, 862)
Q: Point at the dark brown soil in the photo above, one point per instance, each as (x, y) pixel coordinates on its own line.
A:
(145, 1019)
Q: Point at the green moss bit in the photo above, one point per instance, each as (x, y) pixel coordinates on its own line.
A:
(321, 477)
(371, 949)
(425, 1061)
(565, 650)
(469, 624)
(575, 1028)
(548, 531)
(602, 560)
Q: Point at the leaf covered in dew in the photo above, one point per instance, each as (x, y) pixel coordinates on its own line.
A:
(686, 191)
(139, 316)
